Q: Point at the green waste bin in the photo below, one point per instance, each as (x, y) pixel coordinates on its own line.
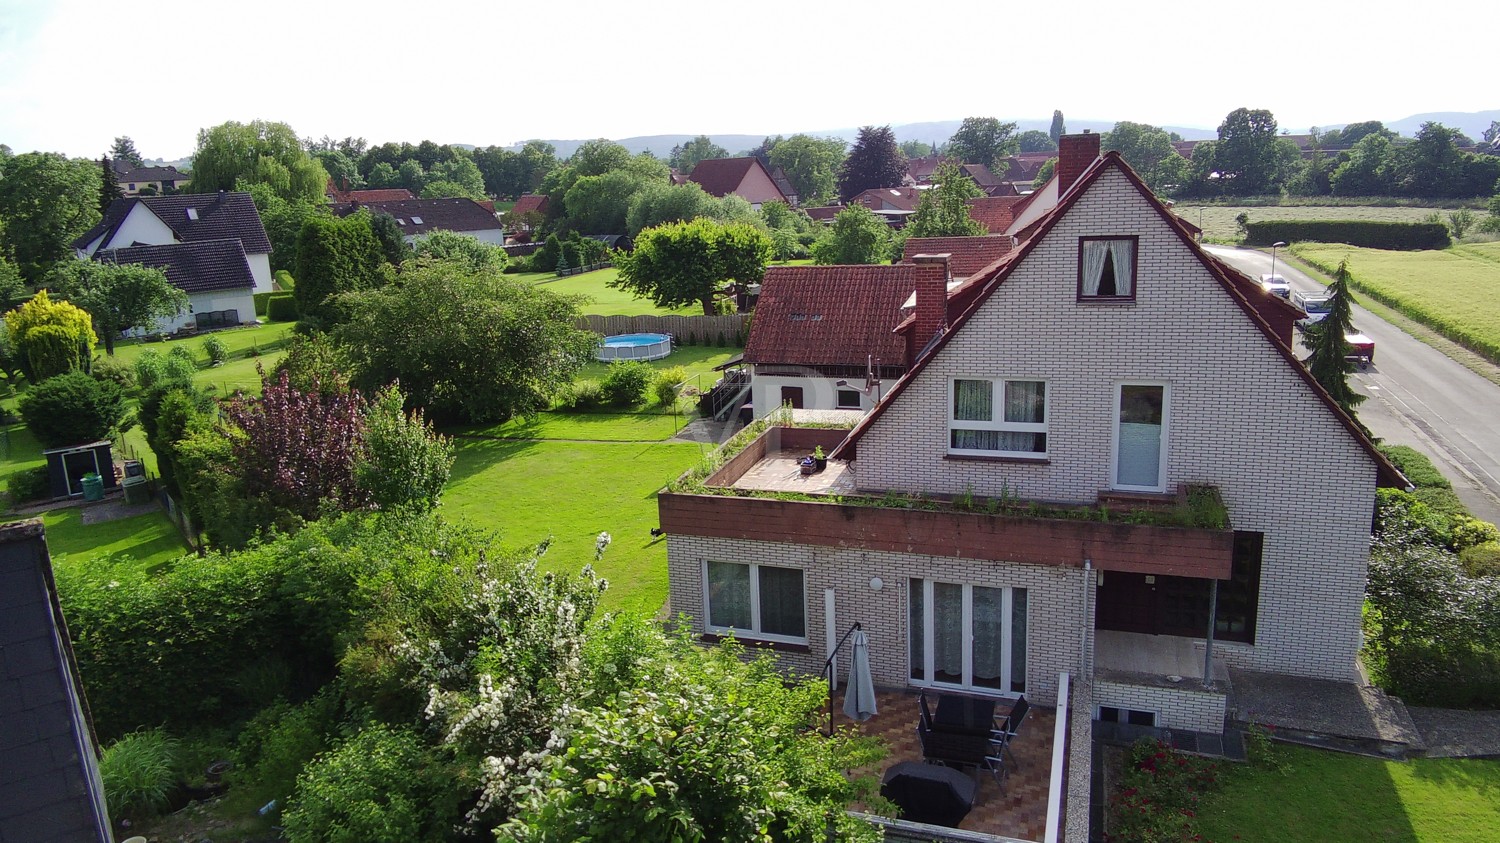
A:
(136, 490)
(93, 487)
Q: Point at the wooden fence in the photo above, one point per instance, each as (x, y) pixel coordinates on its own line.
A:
(729, 330)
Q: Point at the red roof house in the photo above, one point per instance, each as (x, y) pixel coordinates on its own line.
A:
(743, 177)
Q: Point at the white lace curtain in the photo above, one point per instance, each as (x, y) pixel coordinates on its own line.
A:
(1121, 257)
(729, 595)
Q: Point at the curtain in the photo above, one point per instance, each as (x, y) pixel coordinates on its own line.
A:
(948, 632)
(781, 605)
(977, 440)
(973, 401)
(916, 630)
(1124, 260)
(1095, 252)
(989, 637)
(1018, 640)
(1026, 402)
(729, 595)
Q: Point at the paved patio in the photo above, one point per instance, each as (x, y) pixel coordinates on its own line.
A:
(1019, 810)
(780, 472)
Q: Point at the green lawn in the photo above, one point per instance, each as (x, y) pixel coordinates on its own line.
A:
(149, 539)
(1327, 796)
(1218, 220)
(606, 300)
(263, 345)
(19, 451)
(1454, 291)
(611, 427)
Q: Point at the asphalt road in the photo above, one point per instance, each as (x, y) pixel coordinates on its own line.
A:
(1417, 397)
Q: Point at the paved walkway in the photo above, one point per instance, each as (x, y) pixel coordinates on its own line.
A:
(1450, 733)
(1321, 712)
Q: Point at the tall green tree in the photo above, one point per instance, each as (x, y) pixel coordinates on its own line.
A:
(46, 201)
(1036, 140)
(283, 220)
(256, 152)
(335, 256)
(917, 149)
(343, 171)
(1249, 157)
(943, 210)
(1148, 150)
(461, 171)
(1059, 128)
(856, 236)
(982, 140)
(762, 151)
(685, 156)
(874, 161)
(687, 262)
(124, 150)
(810, 164)
(109, 186)
(1432, 165)
(1330, 364)
(1366, 170)
(118, 297)
(597, 157)
(658, 203)
(49, 338)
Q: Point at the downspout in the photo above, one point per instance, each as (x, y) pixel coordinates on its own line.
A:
(1084, 668)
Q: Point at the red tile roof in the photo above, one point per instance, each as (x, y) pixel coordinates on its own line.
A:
(897, 198)
(994, 212)
(381, 194)
(1386, 472)
(830, 315)
(723, 176)
(530, 202)
(825, 213)
(967, 255)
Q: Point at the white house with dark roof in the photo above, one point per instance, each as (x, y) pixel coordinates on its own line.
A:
(184, 218)
(419, 217)
(158, 180)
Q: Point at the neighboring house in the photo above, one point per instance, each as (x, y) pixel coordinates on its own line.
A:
(529, 212)
(1106, 363)
(151, 180)
(892, 204)
(920, 171)
(993, 212)
(418, 217)
(379, 194)
(215, 274)
(821, 336)
(967, 256)
(51, 791)
(743, 177)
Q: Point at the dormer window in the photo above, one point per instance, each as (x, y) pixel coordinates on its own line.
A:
(1106, 268)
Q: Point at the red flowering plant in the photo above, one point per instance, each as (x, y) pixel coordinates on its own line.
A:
(1158, 796)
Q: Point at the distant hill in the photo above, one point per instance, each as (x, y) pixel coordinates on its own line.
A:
(1471, 123)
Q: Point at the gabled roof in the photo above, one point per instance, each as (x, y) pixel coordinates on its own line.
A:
(783, 183)
(829, 315)
(980, 174)
(140, 174)
(420, 216)
(1023, 167)
(823, 213)
(898, 198)
(530, 202)
(201, 267)
(967, 255)
(192, 217)
(994, 212)
(723, 176)
(1386, 472)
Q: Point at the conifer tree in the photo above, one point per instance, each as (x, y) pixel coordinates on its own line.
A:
(109, 189)
(1329, 363)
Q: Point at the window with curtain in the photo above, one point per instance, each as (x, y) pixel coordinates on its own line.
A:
(1106, 268)
(994, 417)
(764, 601)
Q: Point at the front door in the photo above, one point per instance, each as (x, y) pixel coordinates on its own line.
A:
(967, 636)
(792, 395)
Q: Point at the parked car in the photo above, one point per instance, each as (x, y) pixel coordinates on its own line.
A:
(1315, 305)
(1361, 348)
(1275, 285)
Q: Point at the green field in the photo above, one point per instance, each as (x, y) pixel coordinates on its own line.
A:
(1455, 291)
(1327, 796)
(1218, 220)
(607, 301)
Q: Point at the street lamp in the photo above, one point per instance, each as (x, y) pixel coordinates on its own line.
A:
(1274, 246)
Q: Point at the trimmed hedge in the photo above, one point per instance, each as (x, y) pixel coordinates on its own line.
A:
(282, 307)
(260, 302)
(1373, 234)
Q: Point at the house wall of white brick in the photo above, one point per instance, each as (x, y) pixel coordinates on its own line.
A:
(1238, 413)
(260, 270)
(1176, 708)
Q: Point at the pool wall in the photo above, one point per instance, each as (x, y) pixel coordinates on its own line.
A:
(634, 347)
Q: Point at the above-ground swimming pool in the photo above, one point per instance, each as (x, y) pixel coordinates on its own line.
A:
(634, 347)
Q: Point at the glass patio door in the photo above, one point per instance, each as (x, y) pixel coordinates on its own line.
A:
(1140, 437)
(967, 636)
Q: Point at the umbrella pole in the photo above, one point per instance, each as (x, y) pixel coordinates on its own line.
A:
(828, 670)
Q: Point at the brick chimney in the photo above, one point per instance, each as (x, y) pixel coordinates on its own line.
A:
(932, 299)
(1075, 154)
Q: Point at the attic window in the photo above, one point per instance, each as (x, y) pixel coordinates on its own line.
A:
(818, 318)
(1107, 268)
(192, 213)
(400, 221)
(416, 220)
(799, 317)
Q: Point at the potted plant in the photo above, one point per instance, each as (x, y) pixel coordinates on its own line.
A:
(820, 459)
(807, 466)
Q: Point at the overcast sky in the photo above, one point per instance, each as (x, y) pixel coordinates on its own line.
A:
(76, 73)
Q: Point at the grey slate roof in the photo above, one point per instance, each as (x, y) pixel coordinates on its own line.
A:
(435, 215)
(220, 215)
(49, 776)
(140, 174)
(199, 267)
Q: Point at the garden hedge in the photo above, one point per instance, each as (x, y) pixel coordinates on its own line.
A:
(1373, 234)
(260, 302)
(281, 307)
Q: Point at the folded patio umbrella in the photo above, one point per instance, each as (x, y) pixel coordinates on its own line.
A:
(859, 697)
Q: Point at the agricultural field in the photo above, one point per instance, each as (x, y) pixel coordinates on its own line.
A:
(1217, 221)
(1455, 291)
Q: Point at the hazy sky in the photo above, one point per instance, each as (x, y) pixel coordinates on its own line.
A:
(76, 73)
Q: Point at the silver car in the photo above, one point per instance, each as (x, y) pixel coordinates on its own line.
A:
(1275, 285)
(1315, 305)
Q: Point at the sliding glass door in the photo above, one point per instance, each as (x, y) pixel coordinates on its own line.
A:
(967, 636)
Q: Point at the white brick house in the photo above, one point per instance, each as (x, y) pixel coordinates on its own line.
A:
(1105, 361)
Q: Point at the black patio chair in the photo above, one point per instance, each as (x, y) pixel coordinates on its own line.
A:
(1008, 729)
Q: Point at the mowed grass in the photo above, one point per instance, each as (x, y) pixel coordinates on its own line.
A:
(149, 539)
(1218, 220)
(1455, 291)
(1328, 796)
(571, 491)
(262, 345)
(605, 300)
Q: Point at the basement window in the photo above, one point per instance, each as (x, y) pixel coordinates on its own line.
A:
(1107, 268)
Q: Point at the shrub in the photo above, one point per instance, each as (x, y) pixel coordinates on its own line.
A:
(667, 382)
(581, 395)
(1159, 794)
(279, 742)
(404, 462)
(1416, 466)
(284, 280)
(184, 355)
(1374, 234)
(260, 302)
(281, 307)
(74, 408)
(215, 349)
(379, 785)
(625, 383)
(150, 369)
(1444, 676)
(1481, 560)
(32, 484)
(139, 773)
(115, 371)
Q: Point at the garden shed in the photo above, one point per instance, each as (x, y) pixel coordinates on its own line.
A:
(67, 466)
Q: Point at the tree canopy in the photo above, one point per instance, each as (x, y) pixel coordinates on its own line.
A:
(874, 161)
(685, 156)
(1149, 151)
(1249, 157)
(856, 236)
(50, 338)
(335, 256)
(657, 203)
(810, 164)
(943, 210)
(686, 262)
(46, 201)
(124, 149)
(982, 140)
(256, 152)
(1036, 140)
(118, 297)
(1058, 128)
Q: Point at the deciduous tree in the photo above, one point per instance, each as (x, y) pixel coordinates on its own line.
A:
(258, 151)
(657, 203)
(856, 236)
(810, 164)
(46, 201)
(686, 262)
(943, 210)
(473, 255)
(685, 156)
(118, 297)
(874, 161)
(1036, 140)
(982, 140)
(1249, 157)
(50, 338)
(1148, 150)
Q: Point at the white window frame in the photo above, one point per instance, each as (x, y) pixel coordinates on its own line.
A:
(754, 632)
(1114, 424)
(1004, 426)
(838, 399)
(929, 642)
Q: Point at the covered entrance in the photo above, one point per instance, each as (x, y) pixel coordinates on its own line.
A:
(1163, 605)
